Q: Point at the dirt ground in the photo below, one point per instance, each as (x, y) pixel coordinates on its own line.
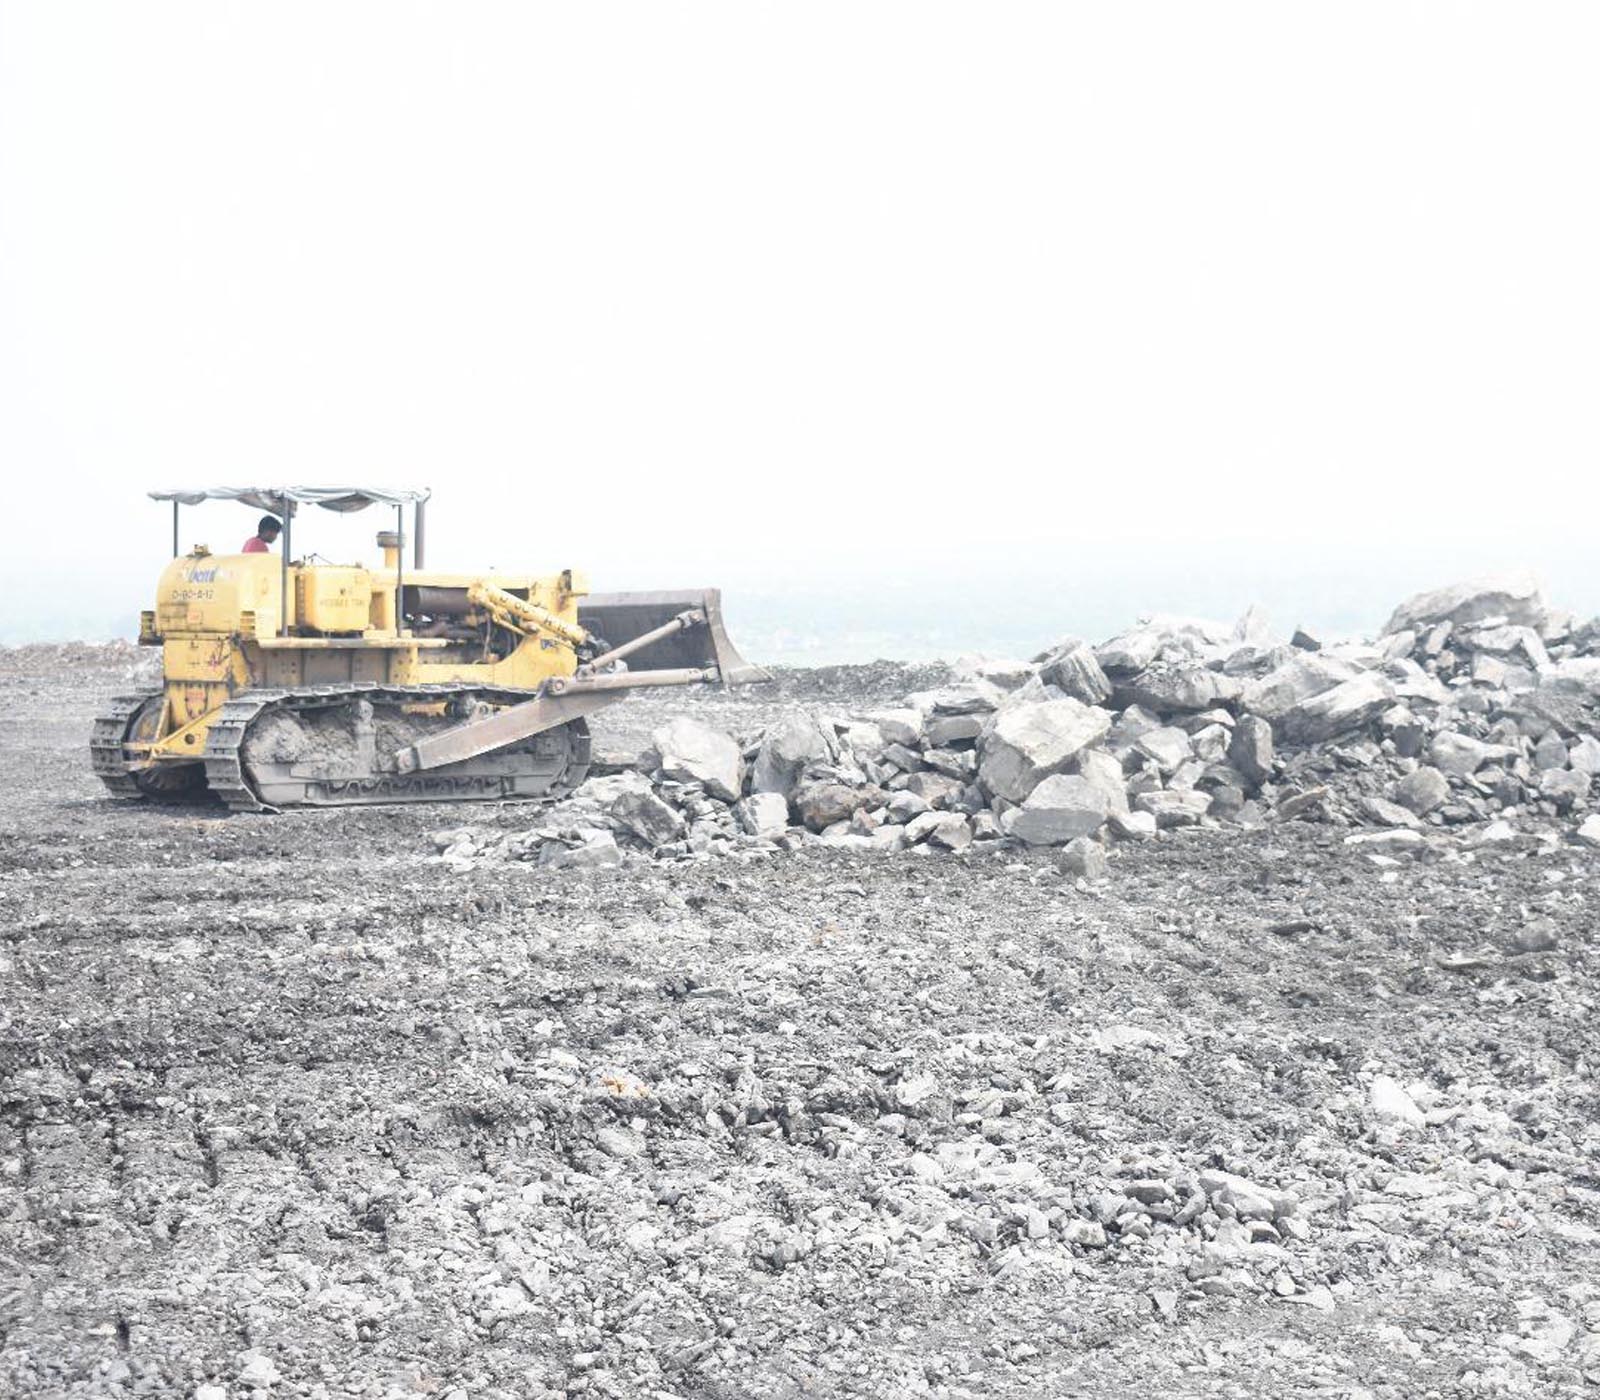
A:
(287, 1109)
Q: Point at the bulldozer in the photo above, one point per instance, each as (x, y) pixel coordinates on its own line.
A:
(294, 683)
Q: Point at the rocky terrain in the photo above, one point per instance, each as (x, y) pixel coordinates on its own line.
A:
(1473, 716)
(1193, 1014)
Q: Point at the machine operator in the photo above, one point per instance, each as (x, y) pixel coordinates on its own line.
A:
(267, 530)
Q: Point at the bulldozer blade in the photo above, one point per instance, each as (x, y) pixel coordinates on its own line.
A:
(620, 617)
(507, 726)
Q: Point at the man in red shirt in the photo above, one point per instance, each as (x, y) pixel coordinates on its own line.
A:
(267, 530)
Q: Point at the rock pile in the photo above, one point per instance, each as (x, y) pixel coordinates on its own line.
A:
(1477, 704)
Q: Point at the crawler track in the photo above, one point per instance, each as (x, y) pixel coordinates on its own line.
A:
(106, 740)
(549, 763)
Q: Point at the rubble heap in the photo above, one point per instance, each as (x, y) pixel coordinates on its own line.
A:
(1476, 707)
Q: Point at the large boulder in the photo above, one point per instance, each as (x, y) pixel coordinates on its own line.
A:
(1293, 683)
(949, 830)
(977, 697)
(648, 817)
(763, 814)
(1184, 687)
(1168, 747)
(795, 741)
(1174, 807)
(1349, 706)
(691, 752)
(944, 730)
(1130, 653)
(898, 726)
(1508, 640)
(1422, 790)
(1027, 743)
(1103, 771)
(1250, 749)
(1514, 597)
(1062, 807)
(1460, 755)
(1074, 671)
(821, 802)
(1564, 786)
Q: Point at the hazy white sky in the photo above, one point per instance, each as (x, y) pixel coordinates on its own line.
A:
(804, 299)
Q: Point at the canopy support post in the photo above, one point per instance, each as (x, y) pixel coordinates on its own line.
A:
(174, 529)
(399, 569)
(283, 572)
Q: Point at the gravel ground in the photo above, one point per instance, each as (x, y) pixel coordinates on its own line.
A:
(285, 1109)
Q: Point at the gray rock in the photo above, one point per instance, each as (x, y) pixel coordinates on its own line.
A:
(1130, 653)
(1028, 743)
(1292, 684)
(1130, 724)
(1305, 641)
(1062, 807)
(619, 1142)
(1564, 786)
(820, 802)
(1422, 791)
(1550, 752)
(1132, 826)
(1350, 705)
(866, 820)
(1391, 1104)
(1584, 754)
(937, 789)
(1005, 672)
(1211, 743)
(1399, 644)
(889, 837)
(1460, 755)
(899, 756)
(1074, 670)
(956, 763)
(903, 806)
(944, 730)
(598, 850)
(1083, 858)
(1168, 748)
(1250, 750)
(1514, 597)
(1589, 830)
(966, 698)
(1179, 687)
(763, 814)
(1534, 937)
(691, 752)
(1505, 640)
(1386, 813)
(898, 726)
(1183, 808)
(985, 826)
(648, 817)
(949, 830)
(1227, 799)
(787, 747)
(1097, 767)
(1086, 1234)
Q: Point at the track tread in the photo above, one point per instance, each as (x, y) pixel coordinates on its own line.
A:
(224, 753)
(105, 744)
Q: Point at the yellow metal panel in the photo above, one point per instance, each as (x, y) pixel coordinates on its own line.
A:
(334, 598)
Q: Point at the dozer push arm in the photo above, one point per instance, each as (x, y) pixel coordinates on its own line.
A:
(520, 615)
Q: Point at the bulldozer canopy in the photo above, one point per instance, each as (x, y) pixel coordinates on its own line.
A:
(281, 499)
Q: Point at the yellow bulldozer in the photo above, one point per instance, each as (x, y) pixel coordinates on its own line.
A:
(297, 683)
